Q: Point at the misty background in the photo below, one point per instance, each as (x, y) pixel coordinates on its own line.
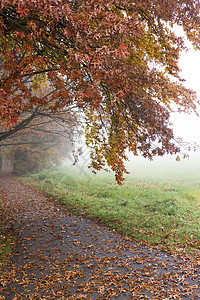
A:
(186, 127)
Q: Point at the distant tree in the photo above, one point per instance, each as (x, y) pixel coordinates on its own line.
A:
(43, 143)
(115, 61)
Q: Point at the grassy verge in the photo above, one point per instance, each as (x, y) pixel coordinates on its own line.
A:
(159, 212)
(6, 243)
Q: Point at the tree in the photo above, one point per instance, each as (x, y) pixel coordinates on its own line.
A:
(115, 61)
(41, 144)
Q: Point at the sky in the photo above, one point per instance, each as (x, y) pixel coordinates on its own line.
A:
(185, 125)
(188, 126)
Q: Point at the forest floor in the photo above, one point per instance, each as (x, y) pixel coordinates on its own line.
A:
(60, 256)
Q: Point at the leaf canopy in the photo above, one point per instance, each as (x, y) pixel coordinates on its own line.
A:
(115, 61)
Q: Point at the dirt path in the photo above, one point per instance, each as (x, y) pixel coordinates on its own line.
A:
(59, 256)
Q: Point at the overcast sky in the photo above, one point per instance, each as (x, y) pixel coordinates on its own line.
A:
(189, 126)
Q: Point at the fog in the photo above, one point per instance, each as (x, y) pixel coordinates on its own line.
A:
(184, 126)
(161, 168)
(188, 126)
(165, 167)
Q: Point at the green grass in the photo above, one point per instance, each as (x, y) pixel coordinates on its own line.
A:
(159, 210)
(6, 243)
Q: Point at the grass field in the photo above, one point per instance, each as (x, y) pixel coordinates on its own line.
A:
(6, 243)
(157, 204)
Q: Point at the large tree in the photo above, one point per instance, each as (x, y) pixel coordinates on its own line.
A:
(115, 61)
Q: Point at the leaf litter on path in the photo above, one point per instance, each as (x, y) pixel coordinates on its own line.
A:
(59, 256)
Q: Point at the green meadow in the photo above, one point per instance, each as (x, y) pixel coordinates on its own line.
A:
(159, 202)
(6, 243)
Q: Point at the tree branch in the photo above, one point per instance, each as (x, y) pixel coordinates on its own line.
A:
(19, 126)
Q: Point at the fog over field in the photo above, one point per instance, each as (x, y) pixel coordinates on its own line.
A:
(165, 167)
(161, 168)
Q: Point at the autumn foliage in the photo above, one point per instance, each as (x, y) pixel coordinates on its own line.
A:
(114, 61)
